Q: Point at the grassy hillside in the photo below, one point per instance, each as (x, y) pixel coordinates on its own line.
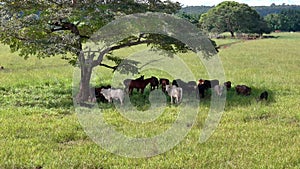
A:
(39, 127)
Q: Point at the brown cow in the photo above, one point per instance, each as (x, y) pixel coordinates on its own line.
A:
(243, 90)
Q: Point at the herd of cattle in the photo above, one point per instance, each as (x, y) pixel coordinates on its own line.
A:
(174, 89)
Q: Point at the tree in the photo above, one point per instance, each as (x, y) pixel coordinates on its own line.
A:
(290, 20)
(47, 28)
(273, 20)
(286, 20)
(230, 16)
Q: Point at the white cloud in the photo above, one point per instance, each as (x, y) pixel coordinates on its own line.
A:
(249, 2)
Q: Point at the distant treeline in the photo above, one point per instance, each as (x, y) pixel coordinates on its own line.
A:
(196, 11)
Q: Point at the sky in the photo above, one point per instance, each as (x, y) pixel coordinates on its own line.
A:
(249, 2)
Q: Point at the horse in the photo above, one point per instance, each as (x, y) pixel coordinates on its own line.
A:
(140, 84)
(126, 82)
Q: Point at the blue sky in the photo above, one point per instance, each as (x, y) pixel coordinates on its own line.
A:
(249, 2)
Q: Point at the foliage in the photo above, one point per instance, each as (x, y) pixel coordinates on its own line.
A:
(195, 10)
(274, 9)
(262, 10)
(48, 28)
(273, 21)
(230, 16)
(194, 19)
(286, 20)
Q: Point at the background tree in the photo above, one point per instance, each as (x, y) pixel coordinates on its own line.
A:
(273, 20)
(230, 16)
(286, 20)
(290, 20)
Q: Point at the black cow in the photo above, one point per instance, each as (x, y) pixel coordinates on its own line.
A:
(228, 85)
(209, 83)
(263, 96)
(204, 85)
(189, 87)
(175, 83)
(99, 96)
(201, 89)
(155, 83)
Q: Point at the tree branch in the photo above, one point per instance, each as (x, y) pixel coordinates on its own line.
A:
(107, 66)
(130, 44)
(67, 26)
(109, 49)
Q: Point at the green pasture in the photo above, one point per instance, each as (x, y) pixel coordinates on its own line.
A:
(40, 129)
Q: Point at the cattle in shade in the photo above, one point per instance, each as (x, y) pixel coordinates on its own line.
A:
(243, 90)
(201, 89)
(209, 83)
(111, 94)
(204, 85)
(227, 85)
(163, 82)
(155, 83)
(218, 89)
(175, 83)
(175, 93)
(99, 96)
(189, 87)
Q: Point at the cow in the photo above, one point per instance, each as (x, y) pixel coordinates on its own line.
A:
(155, 83)
(209, 83)
(189, 87)
(163, 83)
(201, 89)
(110, 94)
(263, 96)
(98, 94)
(204, 85)
(174, 92)
(243, 90)
(175, 83)
(228, 85)
(219, 89)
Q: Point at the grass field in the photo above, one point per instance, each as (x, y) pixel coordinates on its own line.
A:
(40, 129)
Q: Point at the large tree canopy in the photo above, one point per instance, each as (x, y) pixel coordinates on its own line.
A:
(230, 16)
(46, 28)
(49, 27)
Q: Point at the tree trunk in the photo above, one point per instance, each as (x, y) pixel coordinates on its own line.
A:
(85, 94)
(232, 34)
